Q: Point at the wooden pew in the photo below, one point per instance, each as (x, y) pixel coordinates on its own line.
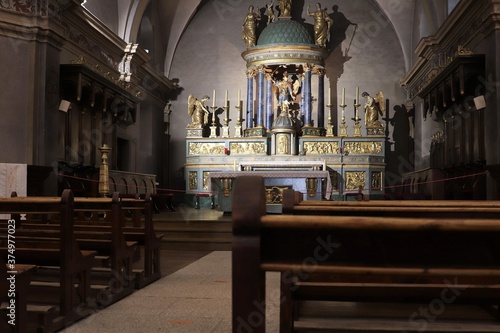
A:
(139, 227)
(357, 259)
(73, 264)
(293, 204)
(97, 227)
(14, 283)
(128, 225)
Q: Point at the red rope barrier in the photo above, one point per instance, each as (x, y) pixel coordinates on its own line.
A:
(213, 192)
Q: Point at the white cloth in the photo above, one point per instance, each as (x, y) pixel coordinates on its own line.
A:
(13, 177)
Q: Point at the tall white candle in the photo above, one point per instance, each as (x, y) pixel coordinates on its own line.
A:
(227, 101)
(355, 110)
(357, 95)
(329, 95)
(343, 96)
(213, 102)
(239, 96)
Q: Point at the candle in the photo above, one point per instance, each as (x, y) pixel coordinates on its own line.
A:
(355, 110)
(357, 95)
(240, 110)
(227, 101)
(343, 97)
(239, 96)
(213, 102)
(329, 95)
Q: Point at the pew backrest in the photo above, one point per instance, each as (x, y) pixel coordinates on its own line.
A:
(397, 251)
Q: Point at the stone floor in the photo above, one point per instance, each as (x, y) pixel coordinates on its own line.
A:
(195, 299)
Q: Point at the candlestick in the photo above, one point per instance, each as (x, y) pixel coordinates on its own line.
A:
(343, 97)
(343, 126)
(355, 110)
(213, 102)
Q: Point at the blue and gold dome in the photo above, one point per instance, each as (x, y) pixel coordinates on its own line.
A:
(284, 41)
(285, 32)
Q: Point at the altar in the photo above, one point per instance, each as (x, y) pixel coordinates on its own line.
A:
(314, 185)
(356, 164)
(275, 130)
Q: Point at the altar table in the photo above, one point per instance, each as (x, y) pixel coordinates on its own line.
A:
(310, 183)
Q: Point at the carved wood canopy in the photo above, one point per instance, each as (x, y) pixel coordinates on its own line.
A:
(98, 92)
(457, 83)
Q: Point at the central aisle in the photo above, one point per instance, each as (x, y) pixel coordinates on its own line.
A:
(195, 299)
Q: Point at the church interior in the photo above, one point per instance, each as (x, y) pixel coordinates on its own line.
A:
(165, 104)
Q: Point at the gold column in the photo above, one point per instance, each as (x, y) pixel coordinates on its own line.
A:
(104, 171)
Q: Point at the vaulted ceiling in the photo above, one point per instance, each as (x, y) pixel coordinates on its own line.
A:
(126, 18)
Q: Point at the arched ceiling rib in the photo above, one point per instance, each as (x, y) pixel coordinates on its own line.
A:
(175, 16)
(179, 14)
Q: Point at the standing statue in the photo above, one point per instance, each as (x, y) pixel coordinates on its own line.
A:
(322, 24)
(248, 34)
(285, 92)
(198, 111)
(373, 108)
(270, 12)
(285, 8)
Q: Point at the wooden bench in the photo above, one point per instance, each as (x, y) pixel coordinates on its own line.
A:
(358, 259)
(121, 228)
(74, 265)
(139, 227)
(294, 204)
(97, 227)
(14, 284)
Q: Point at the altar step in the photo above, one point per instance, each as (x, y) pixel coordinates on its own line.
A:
(207, 235)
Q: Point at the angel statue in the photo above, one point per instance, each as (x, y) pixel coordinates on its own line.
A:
(373, 107)
(198, 111)
(285, 7)
(270, 12)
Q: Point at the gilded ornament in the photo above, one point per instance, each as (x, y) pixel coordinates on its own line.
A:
(355, 180)
(206, 175)
(376, 183)
(274, 194)
(247, 148)
(208, 148)
(193, 180)
(320, 148)
(363, 147)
